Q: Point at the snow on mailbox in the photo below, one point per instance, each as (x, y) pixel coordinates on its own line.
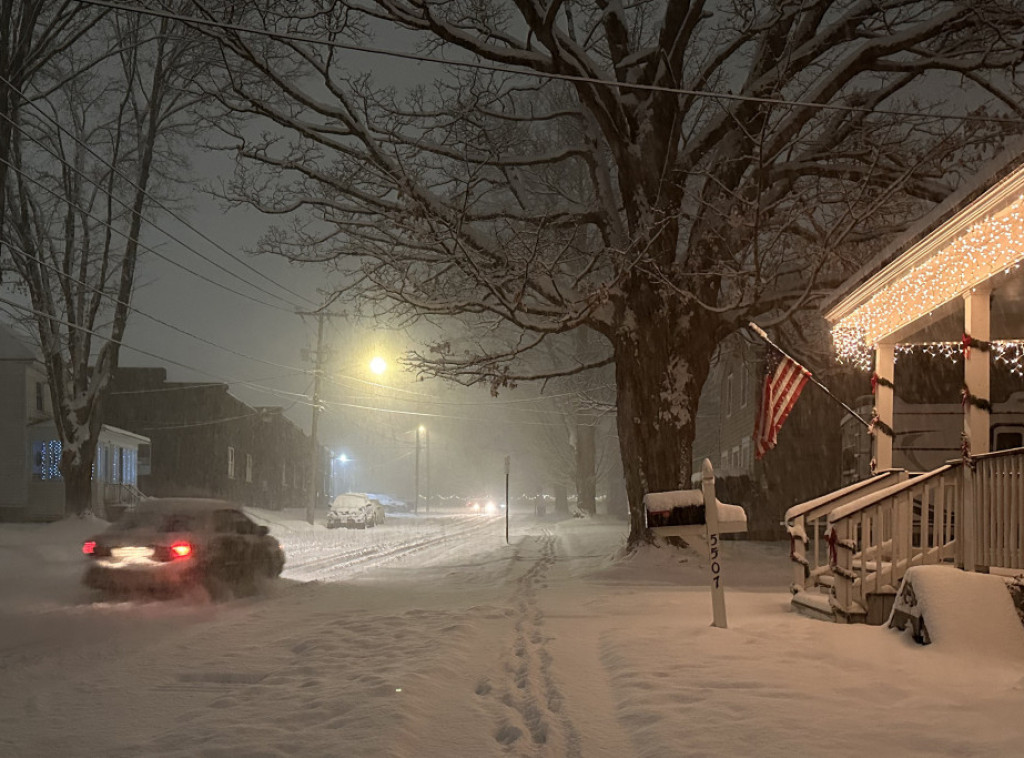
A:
(682, 513)
(686, 513)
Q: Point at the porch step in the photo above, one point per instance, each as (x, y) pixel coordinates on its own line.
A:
(814, 605)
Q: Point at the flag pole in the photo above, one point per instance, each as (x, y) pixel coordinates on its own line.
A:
(761, 333)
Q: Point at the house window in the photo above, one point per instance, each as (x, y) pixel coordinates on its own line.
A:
(743, 388)
(231, 463)
(40, 396)
(248, 467)
(46, 460)
(745, 452)
(725, 459)
(284, 474)
(728, 395)
(129, 466)
(115, 465)
(1009, 440)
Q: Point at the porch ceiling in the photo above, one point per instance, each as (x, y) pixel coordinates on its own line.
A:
(919, 295)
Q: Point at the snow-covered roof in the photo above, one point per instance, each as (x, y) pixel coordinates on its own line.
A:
(980, 242)
(1008, 161)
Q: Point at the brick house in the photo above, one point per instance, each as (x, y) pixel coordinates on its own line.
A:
(208, 443)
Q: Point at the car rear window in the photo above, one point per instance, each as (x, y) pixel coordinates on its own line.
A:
(160, 522)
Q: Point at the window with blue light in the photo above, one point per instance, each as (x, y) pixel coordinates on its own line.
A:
(46, 460)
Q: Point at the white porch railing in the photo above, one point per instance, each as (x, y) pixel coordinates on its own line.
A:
(968, 516)
(877, 538)
(807, 525)
(998, 490)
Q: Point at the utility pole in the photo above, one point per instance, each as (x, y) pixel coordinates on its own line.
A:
(315, 479)
(426, 465)
(314, 446)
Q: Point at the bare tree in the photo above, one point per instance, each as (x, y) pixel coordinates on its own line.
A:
(91, 124)
(659, 172)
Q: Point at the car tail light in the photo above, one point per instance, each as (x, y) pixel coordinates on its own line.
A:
(89, 547)
(181, 550)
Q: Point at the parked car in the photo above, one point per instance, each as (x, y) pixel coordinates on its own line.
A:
(175, 545)
(354, 511)
(378, 509)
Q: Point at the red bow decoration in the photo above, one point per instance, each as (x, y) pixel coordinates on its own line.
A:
(966, 339)
(874, 382)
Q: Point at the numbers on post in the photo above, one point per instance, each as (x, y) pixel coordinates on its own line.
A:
(716, 568)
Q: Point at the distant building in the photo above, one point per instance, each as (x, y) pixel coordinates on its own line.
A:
(31, 486)
(805, 463)
(208, 443)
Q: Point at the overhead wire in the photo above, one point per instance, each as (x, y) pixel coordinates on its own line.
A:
(155, 200)
(241, 382)
(142, 245)
(479, 65)
(17, 250)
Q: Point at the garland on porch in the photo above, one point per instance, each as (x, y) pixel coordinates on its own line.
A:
(877, 380)
(978, 402)
(969, 342)
(877, 423)
(965, 451)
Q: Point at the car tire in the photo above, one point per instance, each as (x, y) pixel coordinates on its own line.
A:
(217, 586)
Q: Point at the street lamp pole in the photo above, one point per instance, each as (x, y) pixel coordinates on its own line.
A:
(426, 465)
(416, 499)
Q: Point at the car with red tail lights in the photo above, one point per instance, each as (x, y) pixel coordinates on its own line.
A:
(179, 545)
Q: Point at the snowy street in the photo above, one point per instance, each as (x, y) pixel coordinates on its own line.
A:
(428, 636)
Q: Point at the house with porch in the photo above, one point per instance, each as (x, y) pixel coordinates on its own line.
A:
(956, 291)
(31, 485)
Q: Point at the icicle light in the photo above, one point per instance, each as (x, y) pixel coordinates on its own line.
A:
(987, 248)
(1009, 353)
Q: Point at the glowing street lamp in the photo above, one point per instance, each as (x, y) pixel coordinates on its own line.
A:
(378, 365)
(344, 477)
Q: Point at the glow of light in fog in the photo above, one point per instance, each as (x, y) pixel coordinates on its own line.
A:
(378, 365)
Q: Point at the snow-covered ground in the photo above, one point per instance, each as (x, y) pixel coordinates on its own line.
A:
(428, 636)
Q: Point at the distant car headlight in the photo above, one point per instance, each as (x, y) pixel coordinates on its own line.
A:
(489, 508)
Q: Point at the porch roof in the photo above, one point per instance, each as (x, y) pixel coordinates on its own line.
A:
(919, 294)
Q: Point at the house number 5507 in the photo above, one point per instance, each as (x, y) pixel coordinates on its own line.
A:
(716, 568)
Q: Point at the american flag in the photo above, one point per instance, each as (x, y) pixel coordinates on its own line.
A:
(784, 379)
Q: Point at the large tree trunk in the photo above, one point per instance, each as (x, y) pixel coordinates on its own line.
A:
(660, 367)
(77, 483)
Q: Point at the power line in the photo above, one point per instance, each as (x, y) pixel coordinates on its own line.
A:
(143, 246)
(17, 250)
(331, 405)
(294, 37)
(184, 386)
(152, 198)
(241, 382)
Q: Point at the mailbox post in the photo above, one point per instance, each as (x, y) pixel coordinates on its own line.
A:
(698, 513)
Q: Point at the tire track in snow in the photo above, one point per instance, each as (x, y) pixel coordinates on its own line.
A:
(345, 562)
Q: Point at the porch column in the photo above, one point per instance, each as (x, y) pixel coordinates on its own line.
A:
(885, 367)
(976, 369)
